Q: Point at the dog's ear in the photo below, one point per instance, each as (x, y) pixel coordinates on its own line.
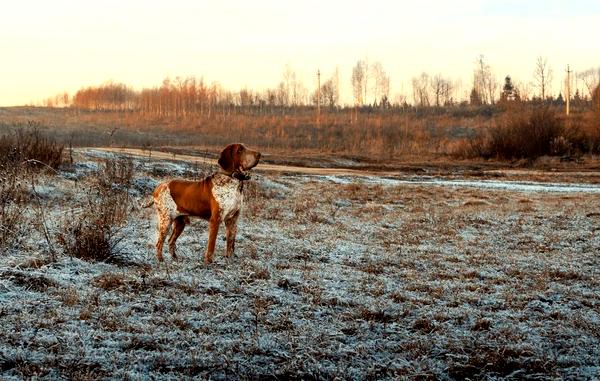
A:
(226, 159)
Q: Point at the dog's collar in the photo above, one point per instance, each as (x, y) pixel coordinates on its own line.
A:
(241, 176)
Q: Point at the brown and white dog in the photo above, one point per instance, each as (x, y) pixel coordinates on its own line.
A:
(217, 198)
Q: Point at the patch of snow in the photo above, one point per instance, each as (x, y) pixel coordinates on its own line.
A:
(516, 186)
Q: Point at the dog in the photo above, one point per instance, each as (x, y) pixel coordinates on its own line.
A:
(216, 198)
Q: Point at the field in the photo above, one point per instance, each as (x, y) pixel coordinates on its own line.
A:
(336, 276)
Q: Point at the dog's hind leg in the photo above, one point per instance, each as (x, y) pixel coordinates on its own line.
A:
(178, 226)
(164, 225)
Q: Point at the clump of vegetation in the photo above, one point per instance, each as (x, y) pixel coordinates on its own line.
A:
(525, 135)
(29, 145)
(520, 135)
(92, 233)
(21, 151)
(12, 205)
(116, 173)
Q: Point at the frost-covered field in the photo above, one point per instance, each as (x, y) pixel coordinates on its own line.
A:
(332, 278)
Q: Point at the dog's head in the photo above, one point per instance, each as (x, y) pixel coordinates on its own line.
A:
(237, 159)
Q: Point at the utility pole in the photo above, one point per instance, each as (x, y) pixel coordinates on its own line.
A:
(318, 97)
(568, 88)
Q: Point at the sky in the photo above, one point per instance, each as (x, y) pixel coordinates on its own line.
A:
(47, 47)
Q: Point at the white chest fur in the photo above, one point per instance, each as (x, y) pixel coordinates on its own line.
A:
(227, 192)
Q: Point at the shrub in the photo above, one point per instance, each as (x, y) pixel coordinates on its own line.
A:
(116, 173)
(525, 135)
(470, 148)
(29, 144)
(93, 233)
(15, 149)
(520, 134)
(12, 206)
(585, 133)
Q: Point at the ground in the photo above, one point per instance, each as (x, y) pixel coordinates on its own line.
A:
(335, 276)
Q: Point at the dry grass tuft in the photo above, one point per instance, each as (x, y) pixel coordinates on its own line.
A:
(424, 324)
(30, 281)
(109, 281)
(494, 357)
(375, 315)
(481, 325)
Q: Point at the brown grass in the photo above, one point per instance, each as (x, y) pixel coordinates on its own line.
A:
(373, 135)
(405, 284)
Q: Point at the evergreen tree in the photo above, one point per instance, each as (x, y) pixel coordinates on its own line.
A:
(559, 100)
(475, 98)
(577, 100)
(509, 92)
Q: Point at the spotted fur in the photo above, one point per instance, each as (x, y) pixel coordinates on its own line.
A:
(166, 210)
(217, 198)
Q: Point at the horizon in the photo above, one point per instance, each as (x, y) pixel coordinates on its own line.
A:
(63, 46)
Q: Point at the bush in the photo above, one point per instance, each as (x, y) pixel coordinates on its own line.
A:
(525, 135)
(596, 99)
(93, 233)
(16, 149)
(12, 206)
(519, 135)
(29, 144)
(585, 133)
(116, 173)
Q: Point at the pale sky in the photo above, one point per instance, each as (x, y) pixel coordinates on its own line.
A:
(47, 47)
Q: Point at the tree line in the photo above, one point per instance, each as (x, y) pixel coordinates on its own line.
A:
(369, 81)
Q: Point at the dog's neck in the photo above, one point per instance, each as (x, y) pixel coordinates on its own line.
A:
(235, 175)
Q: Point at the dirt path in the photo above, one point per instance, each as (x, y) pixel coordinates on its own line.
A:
(261, 167)
(337, 175)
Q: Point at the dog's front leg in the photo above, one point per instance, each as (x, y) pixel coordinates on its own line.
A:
(213, 229)
(231, 231)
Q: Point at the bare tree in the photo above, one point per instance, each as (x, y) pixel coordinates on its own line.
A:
(381, 85)
(442, 89)
(420, 86)
(524, 90)
(542, 76)
(336, 83)
(484, 82)
(286, 85)
(297, 93)
(329, 92)
(590, 78)
(400, 100)
(358, 82)
(492, 87)
(366, 77)
(329, 96)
